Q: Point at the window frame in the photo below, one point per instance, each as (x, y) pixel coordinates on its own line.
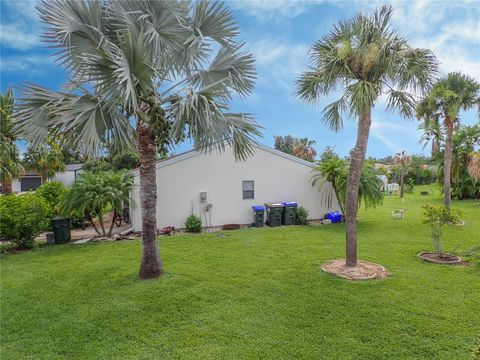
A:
(247, 191)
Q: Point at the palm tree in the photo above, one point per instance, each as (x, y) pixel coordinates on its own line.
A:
(46, 160)
(92, 193)
(10, 166)
(474, 166)
(335, 172)
(152, 71)
(402, 160)
(446, 98)
(367, 58)
(432, 133)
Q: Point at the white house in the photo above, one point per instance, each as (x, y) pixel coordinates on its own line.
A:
(222, 191)
(31, 180)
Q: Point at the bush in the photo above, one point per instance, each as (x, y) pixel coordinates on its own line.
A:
(438, 217)
(23, 217)
(53, 193)
(301, 216)
(193, 224)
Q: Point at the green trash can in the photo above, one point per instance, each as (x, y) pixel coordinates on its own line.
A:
(289, 213)
(61, 230)
(258, 216)
(274, 214)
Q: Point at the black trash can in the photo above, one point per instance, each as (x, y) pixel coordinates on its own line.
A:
(289, 213)
(274, 214)
(258, 216)
(61, 230)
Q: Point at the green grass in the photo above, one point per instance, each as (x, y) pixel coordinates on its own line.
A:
(248, 294)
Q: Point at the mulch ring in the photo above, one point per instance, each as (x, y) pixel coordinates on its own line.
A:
(363, 271)
(443, 258)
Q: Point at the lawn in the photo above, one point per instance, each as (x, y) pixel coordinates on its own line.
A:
(248, 294)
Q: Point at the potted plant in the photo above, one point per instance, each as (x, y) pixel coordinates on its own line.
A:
(439, 217)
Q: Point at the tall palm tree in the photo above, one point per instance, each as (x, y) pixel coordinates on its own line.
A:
(402, 159)
(432, 133)
(446, 98)
(150, 72)
(367, 58)
(46, 160)
(10, 165)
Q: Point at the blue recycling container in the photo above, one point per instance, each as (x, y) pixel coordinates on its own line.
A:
(258, 215)
(334, 217)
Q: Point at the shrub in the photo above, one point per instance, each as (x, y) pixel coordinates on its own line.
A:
(53, 193)
(23, 218)
(438, 217)
(301, 216)
(193, 224)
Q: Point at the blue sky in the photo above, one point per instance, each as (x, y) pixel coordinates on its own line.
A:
(279, 34)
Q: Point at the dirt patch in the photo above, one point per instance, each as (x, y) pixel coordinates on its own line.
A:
(363, 271)
(442, 258)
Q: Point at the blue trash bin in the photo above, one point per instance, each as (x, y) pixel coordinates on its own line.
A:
(258, 215)
(334, 217)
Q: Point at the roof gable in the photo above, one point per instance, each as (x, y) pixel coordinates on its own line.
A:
(193, 153)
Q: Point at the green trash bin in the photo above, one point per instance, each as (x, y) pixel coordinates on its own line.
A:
(258, 216)
(274, 214)
(61, 230)
(289, 213)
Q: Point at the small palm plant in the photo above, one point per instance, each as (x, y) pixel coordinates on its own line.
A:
(365, 58)
(439, 217)
(335, 172)
(92, 194)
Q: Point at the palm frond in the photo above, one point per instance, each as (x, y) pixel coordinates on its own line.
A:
(401, 101)
(87, 122)
(230, 69)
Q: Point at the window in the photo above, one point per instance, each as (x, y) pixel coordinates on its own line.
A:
(248, 189)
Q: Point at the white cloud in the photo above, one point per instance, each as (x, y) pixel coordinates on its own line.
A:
(23, 63)
(393, 136)
(267, 10)
(20, 28)
(278, 62)
(15, 37)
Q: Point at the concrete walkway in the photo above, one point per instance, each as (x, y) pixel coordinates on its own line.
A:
(89, 231)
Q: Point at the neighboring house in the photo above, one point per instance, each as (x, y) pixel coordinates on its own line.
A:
(188, 183)
(31, 180)
(384, 182)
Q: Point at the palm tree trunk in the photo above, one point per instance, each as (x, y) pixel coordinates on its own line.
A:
(114, 217)
(7, 186)
(353, 183)
(92, 222)
(447, 162)
(401, 182)
(339, 201)
(151, 265)
(100, 220)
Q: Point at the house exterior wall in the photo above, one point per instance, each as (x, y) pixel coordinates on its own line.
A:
(67, 178)
(277, 176)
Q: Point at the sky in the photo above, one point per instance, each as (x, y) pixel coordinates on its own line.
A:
(279, 34)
